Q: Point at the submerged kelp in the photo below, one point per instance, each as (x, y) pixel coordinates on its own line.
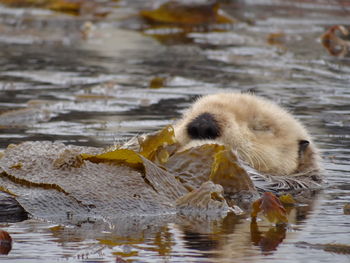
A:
(92, 190)
(107, 185)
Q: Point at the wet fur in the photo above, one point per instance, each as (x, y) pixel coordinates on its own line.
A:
(265, 135)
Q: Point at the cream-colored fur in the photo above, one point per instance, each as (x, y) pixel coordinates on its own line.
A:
(265, 135)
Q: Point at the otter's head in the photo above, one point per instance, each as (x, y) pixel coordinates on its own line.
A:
(266, 136)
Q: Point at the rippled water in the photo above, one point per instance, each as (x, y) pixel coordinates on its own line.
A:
(95, 91)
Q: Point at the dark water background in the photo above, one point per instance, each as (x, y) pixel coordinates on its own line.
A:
(95, 91)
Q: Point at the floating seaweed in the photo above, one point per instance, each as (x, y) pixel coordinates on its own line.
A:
(73, 7)
(271, 207)
(5, 242)
(172, 21)
(190, 13)
(335, 45)
(287, 200)
(157, 82)
(346, 209)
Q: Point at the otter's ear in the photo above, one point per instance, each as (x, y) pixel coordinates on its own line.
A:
(303, 144)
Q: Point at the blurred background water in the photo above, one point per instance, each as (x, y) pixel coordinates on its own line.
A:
(107, 74)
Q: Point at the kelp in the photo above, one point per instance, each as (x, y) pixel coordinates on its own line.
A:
(277, 38)
(5, 242)
(213, 162)
(171, 22)
(69, 6)
(190, 13)
(208, 196)
(5, 190)
(87, 182)
(346, 209)
(73, 7)
(227, 172)
(336, 45)
(287, 200)
(153, 146)
(192, 167)
(157, 83)
(93, 190)
(164, 183)
(117, 157)
(271, 207)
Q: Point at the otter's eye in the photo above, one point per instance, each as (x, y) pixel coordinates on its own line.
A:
(257, 127)
(204, 126)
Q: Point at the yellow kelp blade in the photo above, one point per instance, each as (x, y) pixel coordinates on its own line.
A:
(153, 143)
(186, 14)
(119, 156)
(287, 200)
(73, 7)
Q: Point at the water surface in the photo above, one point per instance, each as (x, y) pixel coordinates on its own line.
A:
(95, 91)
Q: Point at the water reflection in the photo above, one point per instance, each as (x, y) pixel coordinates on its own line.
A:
(200, 239)
(95, 91)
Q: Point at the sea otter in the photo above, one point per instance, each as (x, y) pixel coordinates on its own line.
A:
(263, 134)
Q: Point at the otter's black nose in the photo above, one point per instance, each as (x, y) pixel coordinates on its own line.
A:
(204, 126)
